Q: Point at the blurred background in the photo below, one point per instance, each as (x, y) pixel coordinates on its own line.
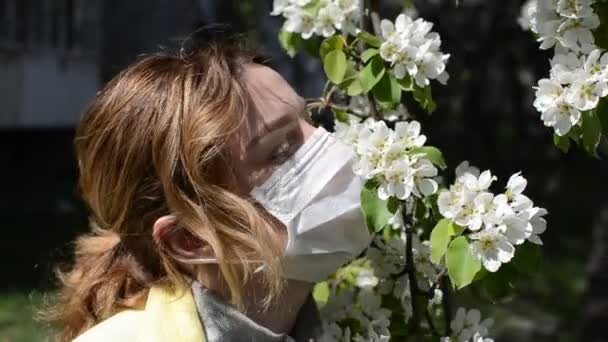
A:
(55, 54)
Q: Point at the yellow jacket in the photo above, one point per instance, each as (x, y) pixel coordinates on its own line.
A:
(163, 319)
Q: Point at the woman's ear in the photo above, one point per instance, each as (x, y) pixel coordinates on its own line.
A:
(178, 241)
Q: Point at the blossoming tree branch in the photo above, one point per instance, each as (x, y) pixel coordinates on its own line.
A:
(436, 231)
(572, 100)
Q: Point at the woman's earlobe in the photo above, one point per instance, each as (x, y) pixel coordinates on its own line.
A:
(178, 241)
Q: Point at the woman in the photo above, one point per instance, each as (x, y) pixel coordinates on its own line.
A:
(215, 205)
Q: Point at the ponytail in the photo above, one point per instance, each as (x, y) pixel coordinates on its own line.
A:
(104, 279)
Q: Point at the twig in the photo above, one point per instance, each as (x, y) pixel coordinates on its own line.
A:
(447, 313)
(366, 24)
(410, 266)
(374, 16)
(429, 319)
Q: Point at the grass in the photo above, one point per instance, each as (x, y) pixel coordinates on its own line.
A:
(17, 323)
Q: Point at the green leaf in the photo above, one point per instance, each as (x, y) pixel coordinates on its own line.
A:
(602, 114)
(341, 115)
(393, 204)
(440, 238)
(321, 292)
(425, 98)
(527, 258)
(311, 46)
(406, 83)
(563, 143)
(387, 91)
(351, 73)
(462, 265)
(592, 131)
(289, 42)
(335, 66)
(371, 74)
(354, 88)
(336, 42)
(369, 53)
(370, 39)
(500, 284)
(375, 210)
(433, 154)
(421, 211)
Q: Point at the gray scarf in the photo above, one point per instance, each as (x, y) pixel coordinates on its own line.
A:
(224, 323)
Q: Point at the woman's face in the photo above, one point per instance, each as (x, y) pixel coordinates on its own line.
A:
(273, 129)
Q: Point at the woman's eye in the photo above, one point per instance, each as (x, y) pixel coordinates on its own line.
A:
(281, 153)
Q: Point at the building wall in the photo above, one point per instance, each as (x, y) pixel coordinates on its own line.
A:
(55, 91)
(49, 65)
(11, 90)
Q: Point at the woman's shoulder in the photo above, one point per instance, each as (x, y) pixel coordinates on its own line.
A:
(123, 326)
(168, 315)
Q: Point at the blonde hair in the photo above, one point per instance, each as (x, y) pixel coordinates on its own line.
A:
(153, 143)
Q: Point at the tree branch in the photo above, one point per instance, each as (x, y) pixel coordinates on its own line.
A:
(366, 24)
(410, 267)
(447, 313)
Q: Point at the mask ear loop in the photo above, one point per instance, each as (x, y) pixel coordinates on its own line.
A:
(208, 261)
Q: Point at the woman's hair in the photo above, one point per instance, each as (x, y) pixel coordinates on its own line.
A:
(153, 143)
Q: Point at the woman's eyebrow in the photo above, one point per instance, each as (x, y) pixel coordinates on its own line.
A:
(279, 122)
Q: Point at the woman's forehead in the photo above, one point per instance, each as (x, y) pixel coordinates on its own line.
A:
(269, 93)
(271, 100)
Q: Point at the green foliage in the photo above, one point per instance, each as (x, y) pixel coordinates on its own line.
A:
(602, 114)
(340, 115)
(334, 65)
(527, 258)
(433, 154)
(321, 292)
(601, 33)
(354, 88)
(336, 42)
(425, 98)
(290, 42)
(406, 83)
(387, 91)
(369, 53)
(563, 143)
(371, 74)
(369, 39)
(462, 265)
(500, 284)
(375, 210)
(440, 238)
(351, 73)
(312, 46)
(17, 322)
(592, 131)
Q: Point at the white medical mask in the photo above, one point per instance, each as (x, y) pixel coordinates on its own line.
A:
(316, 195)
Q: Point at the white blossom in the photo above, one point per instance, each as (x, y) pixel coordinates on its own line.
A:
(527, 16)
(499, 222)
(324, 20)
(300, 21)
(329, 18)
(579, 70)
(557, 112)
(390, 157)
(366, 279)
(467, 326)
(538, 223)
(492, 248)
(413, 50)
(585, 93)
